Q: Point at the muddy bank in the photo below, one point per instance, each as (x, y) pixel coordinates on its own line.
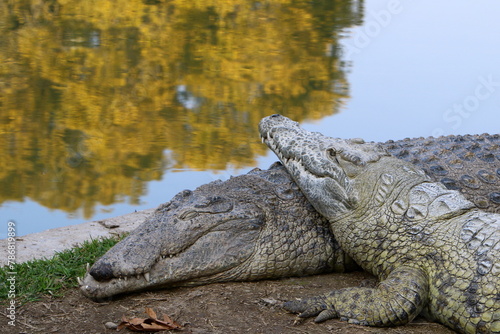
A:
(240, 307)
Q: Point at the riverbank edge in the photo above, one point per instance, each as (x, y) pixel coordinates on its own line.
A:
(47, 243)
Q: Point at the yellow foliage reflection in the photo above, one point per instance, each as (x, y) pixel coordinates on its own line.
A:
(91, 97)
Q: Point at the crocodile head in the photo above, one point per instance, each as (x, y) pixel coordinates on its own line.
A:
(328, 170)
(253, 226)
(343, 177)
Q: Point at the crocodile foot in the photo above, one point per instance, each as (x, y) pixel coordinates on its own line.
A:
(310, 307)
(395, 301)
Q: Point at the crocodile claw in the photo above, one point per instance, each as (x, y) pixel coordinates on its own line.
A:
(312, 307)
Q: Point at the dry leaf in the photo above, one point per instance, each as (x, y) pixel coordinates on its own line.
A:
(151, 324)
(151, 313)
(136, 321)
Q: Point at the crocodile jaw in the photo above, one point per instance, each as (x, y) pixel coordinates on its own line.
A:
(198, 264)
(324, 168)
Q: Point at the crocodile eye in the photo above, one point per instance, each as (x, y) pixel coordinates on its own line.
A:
(189, 215)
(332, 154)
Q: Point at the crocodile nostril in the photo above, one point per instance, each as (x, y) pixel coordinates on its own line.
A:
(102, 271)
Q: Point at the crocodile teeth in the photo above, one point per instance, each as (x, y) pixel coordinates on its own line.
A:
(80, 282)
(146, 276)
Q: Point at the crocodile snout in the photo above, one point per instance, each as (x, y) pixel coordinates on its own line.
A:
(102, 271)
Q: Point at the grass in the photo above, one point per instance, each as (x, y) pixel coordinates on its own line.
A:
(34, 279)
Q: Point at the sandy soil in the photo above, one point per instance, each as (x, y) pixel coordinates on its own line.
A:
(241, 307)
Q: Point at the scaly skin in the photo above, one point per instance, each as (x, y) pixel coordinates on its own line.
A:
(140, 255)
(250, 227)
(432, 249)
(467, 163)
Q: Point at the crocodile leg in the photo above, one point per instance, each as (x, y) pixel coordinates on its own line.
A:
(395, 301)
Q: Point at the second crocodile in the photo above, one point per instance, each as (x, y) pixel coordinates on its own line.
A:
(433, 250)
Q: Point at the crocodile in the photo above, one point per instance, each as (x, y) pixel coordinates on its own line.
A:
(434, 252)
(134, 264)
(249, 227)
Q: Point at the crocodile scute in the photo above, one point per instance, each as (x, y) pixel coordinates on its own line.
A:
(461, 162)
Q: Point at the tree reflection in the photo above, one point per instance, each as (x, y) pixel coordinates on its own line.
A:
(91, 97)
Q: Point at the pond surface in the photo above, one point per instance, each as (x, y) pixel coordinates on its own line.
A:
(103, 112)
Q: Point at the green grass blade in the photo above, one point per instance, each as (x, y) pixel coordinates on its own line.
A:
(36, 278)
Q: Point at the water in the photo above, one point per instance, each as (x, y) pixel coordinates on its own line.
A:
(104, 112)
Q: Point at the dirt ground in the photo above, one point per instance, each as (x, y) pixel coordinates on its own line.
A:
(241, 307)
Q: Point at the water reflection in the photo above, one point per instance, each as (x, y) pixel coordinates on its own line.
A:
(91, 97)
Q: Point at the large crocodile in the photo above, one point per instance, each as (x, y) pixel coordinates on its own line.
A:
(253, 226)
(140, 261)
(433, 250)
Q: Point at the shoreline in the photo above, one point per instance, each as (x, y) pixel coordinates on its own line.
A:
(47, 243)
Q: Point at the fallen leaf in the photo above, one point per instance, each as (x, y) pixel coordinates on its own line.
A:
(151, 324)
(136, 321)
(151, 313)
